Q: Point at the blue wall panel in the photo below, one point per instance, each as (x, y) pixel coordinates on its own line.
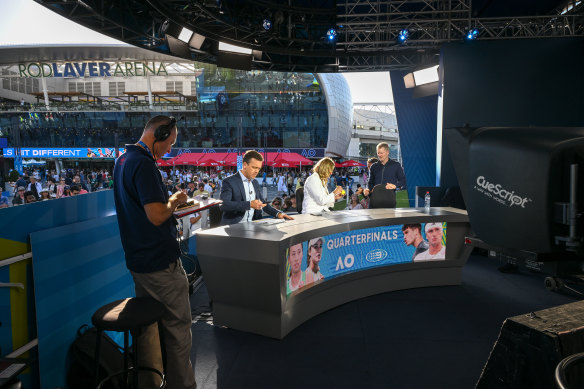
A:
(77, 268)
(416, 121)
(17, 222)
(5, 313)
(16, 225)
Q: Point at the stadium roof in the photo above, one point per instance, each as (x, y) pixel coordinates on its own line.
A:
(10, 55)
(366, 30)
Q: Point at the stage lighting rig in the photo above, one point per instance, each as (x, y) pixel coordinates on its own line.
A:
(267, 24)
(331, 34)
(403, 36)
(471, 34)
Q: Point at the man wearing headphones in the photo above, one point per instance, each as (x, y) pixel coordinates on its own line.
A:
(149, 238)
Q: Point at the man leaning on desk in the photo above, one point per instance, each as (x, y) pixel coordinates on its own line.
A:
(240, 193)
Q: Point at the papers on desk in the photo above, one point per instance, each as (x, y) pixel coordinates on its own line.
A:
(187, 208)
(196, 206)
(269, 222)
(345, 213)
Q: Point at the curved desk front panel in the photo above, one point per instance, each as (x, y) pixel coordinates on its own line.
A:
(270, 276)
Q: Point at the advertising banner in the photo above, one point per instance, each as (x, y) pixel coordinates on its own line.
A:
(323, 258)
(305, 152)
(82, 152)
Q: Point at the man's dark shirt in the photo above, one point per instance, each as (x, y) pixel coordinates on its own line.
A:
(392, 172)
(138, 182)
(423, 246)
(17, 200)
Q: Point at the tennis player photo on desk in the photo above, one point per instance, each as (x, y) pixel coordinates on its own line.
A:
(321, 259)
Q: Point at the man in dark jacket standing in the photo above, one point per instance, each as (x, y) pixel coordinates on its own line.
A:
(385, 171)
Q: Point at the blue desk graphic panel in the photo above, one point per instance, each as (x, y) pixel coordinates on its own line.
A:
(321, 259)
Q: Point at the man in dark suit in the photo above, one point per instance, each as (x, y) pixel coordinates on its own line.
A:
(240, 193)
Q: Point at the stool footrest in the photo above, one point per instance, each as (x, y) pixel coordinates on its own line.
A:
(130, 370)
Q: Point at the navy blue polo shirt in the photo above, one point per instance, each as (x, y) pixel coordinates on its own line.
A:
(138, 182)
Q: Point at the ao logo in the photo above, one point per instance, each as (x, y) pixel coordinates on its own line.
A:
(309, 153)
(346, 263)
(209, 151)
(181, 151)
(376, 255)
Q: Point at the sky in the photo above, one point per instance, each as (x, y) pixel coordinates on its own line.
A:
(25, 22)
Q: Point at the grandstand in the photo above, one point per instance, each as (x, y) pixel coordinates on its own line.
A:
(217, 108)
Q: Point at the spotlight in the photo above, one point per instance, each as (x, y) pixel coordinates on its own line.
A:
(471, 34)
(185, 35)
(403, 36)
(331, 34)
(267, 24)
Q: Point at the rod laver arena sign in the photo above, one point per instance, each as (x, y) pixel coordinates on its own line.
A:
(498, 193)
(92, 69)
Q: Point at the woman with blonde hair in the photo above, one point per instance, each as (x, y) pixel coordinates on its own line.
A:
(316, 195)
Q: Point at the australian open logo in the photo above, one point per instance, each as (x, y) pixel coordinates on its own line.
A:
(376, 255)
(308, 153)
(499, 194)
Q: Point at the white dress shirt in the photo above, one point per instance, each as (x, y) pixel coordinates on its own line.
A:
(316, 197)
(249, 196)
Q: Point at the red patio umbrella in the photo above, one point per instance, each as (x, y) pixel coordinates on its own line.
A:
(231, 159)
(293, 158)
(270, 157)
(284, 164)
(209, 162)
(186, 159)
(351, 163)
(338, 164)
(217, 157)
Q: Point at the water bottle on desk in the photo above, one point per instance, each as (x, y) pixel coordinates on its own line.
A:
(427, 202)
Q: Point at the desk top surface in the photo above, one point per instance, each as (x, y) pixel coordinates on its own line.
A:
(279, 229)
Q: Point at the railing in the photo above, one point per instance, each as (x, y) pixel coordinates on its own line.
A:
(563, 367)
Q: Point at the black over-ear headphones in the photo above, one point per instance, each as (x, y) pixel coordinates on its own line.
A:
(163, 132)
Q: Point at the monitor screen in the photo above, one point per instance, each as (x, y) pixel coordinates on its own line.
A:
(323, 258)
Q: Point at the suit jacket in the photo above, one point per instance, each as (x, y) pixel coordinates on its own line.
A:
(234, 204)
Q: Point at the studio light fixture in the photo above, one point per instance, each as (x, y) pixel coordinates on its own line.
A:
(331, 34)
(185, 35)
(233, 49)
(421, 77)
(426, 76)
(471, 34)
(403, 36)
(267, 24)
(196, 41)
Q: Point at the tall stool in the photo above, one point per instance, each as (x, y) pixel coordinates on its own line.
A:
(129, 315)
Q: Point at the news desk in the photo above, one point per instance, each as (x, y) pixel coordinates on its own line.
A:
(246, 269)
